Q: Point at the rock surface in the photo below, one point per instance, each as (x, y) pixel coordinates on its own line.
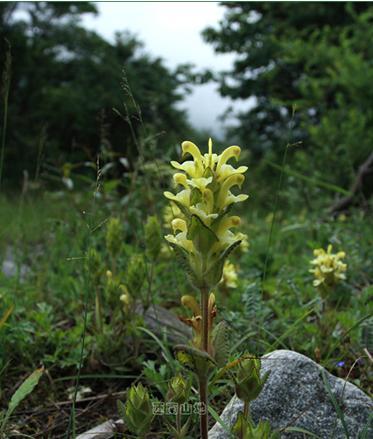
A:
(159, 320)
(11, 268)
(295, 395)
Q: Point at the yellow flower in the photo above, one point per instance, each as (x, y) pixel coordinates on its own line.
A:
(125, 298)
(201, 225)
(328, 267)
(229, 279)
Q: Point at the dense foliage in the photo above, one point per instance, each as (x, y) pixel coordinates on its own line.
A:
(315, 58)
(66, 80)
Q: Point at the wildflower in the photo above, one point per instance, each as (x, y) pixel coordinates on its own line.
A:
(202, 233)
(125, 298)
(229, 278)
(329, 269)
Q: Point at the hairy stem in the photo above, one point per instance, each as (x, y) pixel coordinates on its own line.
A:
(246, 417)
(203, 417)
(203, 380)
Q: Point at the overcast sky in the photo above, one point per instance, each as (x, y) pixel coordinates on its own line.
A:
(172, 31)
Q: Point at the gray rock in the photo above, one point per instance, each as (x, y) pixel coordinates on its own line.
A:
(106, 430)
(295, 396)
(11, 268)
(159, 320)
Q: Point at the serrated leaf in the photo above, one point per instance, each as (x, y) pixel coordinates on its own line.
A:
(221, 343)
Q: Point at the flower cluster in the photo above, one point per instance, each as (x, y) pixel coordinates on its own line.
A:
(202, 228)
(328, 267)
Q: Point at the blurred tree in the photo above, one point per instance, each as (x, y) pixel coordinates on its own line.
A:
(315, 55)
(66, 80)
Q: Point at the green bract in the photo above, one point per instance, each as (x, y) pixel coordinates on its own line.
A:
(248, 382)
(138, 413)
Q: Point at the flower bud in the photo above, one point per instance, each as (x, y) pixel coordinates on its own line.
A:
(138, 413)
(178, 389)
(248, 383)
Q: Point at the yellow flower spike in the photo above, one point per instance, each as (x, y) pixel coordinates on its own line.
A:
(329, 269)
(203, 200)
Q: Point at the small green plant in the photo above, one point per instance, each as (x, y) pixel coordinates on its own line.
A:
(248, 385)
(137, 412)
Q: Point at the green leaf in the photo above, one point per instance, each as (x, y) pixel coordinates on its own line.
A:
(20, 394)
(214, 274)
(221, 343)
